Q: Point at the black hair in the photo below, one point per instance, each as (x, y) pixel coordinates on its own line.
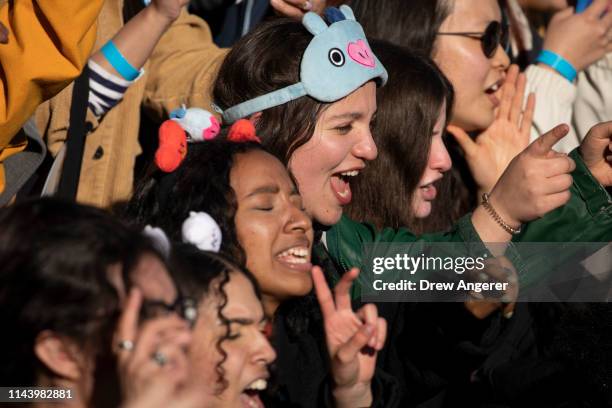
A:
(408, 109)
(201, 183)
(199, 274)
(55, 258)
(413, 24)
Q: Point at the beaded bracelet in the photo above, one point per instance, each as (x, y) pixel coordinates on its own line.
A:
(487, 205)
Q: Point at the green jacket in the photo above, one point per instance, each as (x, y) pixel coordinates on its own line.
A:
(587, 217)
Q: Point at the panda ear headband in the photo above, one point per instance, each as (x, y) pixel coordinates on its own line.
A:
(337, 62)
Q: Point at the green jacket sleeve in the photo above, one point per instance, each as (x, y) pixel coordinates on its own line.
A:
(346, 240)
(587, 217)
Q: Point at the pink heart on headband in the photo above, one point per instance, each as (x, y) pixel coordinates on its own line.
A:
(360, 53)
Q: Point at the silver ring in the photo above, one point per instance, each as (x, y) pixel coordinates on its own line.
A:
(160, 358)
(127, 345)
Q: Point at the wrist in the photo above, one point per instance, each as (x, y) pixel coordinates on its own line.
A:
(504, 218)
(158, 17)
(358, 395)
(558, 63)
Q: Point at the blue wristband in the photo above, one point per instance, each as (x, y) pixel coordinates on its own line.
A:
(559, 64)
(117, 61)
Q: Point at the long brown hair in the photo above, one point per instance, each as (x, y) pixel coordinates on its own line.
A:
(408, 109)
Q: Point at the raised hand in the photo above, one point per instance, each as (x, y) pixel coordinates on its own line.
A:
(596, 151)
(581, 38)
(353, 339)
(297, 8)
(170, 9)
(536, 181)
(152, 359)
(491, 152)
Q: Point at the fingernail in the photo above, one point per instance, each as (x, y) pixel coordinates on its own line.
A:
(372, 342)
(506, 299)
(369, 329)
(307, 5)
(483, 276)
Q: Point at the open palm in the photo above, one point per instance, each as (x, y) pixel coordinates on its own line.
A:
(492, 150)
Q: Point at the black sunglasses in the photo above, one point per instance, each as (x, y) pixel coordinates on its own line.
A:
(495, 34)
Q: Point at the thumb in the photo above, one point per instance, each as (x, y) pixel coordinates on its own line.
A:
(602, 131)
(464, 140)
(563, 14)
(348, 351)
(543, 144)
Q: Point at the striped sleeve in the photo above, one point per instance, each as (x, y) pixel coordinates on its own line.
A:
(105, 89)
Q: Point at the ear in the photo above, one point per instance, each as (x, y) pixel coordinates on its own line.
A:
(348, 12)
(59, 355)
(314, 23)
(254, 118)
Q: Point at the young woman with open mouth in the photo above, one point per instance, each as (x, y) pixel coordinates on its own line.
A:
(259, 210)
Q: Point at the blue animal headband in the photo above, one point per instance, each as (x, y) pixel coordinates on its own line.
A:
(337, 61)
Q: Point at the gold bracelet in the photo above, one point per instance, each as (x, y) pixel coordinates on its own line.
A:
(487, 205)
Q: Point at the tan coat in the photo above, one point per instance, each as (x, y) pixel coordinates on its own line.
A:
(181, 70)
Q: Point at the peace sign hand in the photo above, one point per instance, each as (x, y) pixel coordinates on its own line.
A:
(353, 339)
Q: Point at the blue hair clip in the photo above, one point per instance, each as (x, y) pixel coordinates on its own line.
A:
(337, 62)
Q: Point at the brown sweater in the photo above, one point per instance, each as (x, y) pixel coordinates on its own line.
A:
(181, 70)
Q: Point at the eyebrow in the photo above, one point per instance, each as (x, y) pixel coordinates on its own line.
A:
(264, 190)
(349, 115)
(245, 321)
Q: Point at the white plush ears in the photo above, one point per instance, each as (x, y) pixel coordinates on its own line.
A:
(201, 230)
(159, 238)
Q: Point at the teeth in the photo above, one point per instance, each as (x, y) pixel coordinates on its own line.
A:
(352, 173)
(296, 251)
(258, 385)
(494, 88)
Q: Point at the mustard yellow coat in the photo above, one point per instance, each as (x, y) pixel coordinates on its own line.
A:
(49, 43)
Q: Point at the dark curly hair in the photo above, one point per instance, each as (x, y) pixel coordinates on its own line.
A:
(55, 256)
(201, 183)
(199, 274)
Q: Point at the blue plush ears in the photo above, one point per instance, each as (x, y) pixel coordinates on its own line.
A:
(337, 62)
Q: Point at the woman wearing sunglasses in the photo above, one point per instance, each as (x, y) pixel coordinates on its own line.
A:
(468, 40)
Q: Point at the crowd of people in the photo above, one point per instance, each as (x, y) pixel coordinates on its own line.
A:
(187, 187)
